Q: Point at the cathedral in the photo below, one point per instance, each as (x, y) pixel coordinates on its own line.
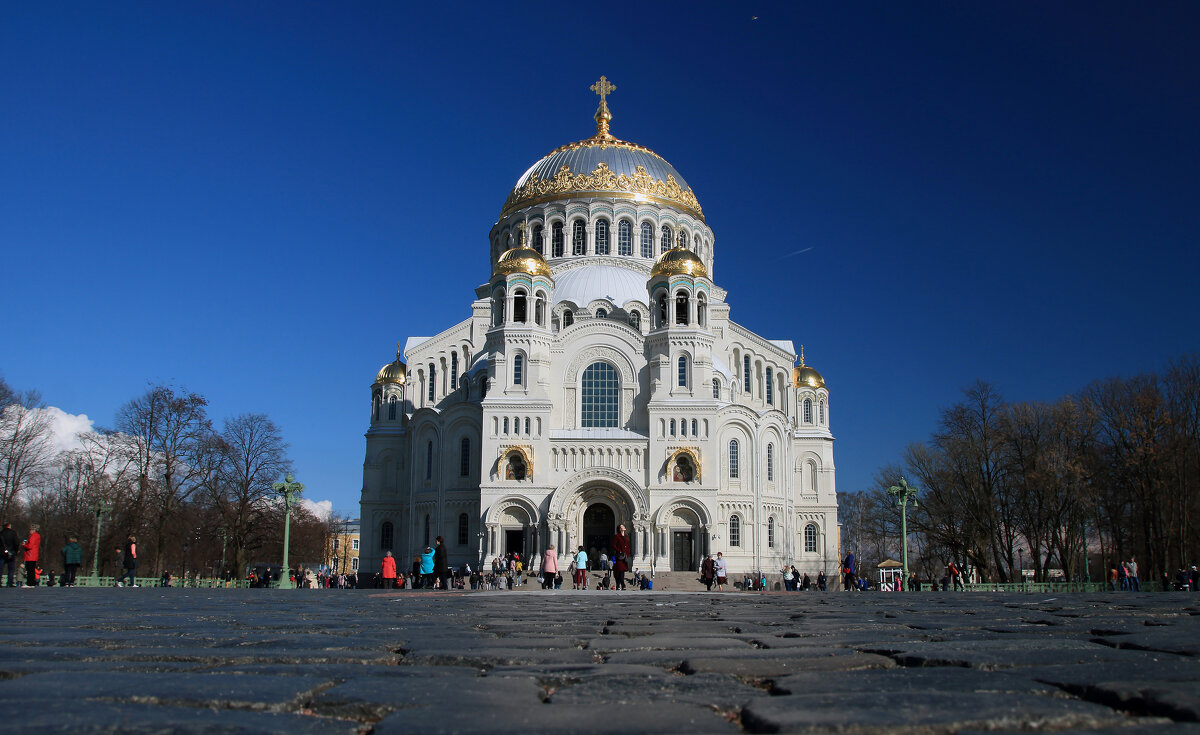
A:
(599, 380)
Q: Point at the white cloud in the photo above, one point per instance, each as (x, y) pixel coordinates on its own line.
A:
(67, 427)
(321, 508)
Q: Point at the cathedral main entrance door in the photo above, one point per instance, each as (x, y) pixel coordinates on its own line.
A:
(682, 559)
(599, 526)
(514, 542)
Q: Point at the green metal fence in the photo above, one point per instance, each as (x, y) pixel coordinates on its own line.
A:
(82, 581)
(1040, 587)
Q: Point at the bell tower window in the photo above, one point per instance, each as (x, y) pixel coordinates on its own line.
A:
(681, 308)
(519, 369)
(770, 389)
(519, 307)
(432, 382)
(453, 371)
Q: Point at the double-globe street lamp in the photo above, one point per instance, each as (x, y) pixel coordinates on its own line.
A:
(288, 490)
(101, 510)
(903, 493)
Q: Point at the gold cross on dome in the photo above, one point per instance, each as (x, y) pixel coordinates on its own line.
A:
(603, 88)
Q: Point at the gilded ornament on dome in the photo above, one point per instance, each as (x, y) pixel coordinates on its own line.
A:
(603, 179)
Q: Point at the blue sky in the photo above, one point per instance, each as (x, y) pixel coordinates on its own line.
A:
(256, 201)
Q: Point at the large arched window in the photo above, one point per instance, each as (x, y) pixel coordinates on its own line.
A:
(537, 239)
(810, 537)
(624, 238)
(568, 318)
(392, 408)
(667, 240)
(770, 463)
(771, 532)
(770, 389)
(518, 369)
(464, 526)
(577, 237)
(717, 388)
(683, 372)
(602, 237)
(387, 536)
(453, 371)
(735, 530)
(429, 461)
(733, 459)
(746, 374)
(808, 410)
(556, 244)
(432, 382)
(647, 244)
(600, 396)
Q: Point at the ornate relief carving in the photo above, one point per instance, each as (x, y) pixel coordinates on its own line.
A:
(592, 354)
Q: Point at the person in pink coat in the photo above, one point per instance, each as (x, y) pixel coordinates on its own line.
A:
(389, 571)
(549, 568)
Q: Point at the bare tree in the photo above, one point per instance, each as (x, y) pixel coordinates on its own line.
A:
(26, 446)
(253, 455)
(176, 453)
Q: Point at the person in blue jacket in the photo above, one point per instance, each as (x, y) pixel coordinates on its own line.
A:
(427, 568)
(848, 574)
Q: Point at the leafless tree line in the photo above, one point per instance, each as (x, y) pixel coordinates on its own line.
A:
(190, 493)
(1079, 484)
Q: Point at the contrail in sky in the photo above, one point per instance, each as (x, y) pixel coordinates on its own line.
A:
(798, 252)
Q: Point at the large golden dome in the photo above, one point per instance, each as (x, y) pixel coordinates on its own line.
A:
(679, 261)
(393, 372)
(606, 166)
(805, 376)
(521, 260)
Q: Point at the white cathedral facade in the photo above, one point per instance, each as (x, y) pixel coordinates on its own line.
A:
(599, 380)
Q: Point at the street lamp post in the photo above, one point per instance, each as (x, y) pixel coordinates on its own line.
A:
(288, 490)
(101, 509)
(1021, 565)
(903, 493)
(224, 537)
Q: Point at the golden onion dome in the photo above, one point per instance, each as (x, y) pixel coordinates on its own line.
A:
(679, 261)
(393, 372)
(521, 260)
(805, 376)
(606, 166)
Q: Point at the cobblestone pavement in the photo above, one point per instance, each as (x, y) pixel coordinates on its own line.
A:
(172, 660)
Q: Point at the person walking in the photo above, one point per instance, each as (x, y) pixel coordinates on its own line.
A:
(72, 556)
(707, 573)
(441, 562)
(129, 563)
(955, 576)
(581, 562)
(848, 579)
(10, 546)
(388, 571)
(31, 548)
(549, 567)
(721, 570)
(1135, 584)
(621, 553)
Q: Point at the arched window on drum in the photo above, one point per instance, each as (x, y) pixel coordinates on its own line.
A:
(647, 244)
(557, 240)
(602, 237)
(624, 238)
(668, 239)
(577, 237)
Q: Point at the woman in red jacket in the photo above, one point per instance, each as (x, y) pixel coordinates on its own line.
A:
(389, 571)
(621, 552)
(31, 547)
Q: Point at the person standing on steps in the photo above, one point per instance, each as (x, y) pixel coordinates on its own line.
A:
(706, 572)
(621, 553)
(581, 561)
(549, 567)
(721, 570)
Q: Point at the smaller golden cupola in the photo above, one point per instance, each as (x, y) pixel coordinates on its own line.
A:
(521, 260)
(393, 372)
(679, 261)
(805, 376)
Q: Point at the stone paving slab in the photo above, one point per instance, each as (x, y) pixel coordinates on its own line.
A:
(264, 661)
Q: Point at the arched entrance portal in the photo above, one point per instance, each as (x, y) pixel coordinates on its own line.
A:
(599, 525)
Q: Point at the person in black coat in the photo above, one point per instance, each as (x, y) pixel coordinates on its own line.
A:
(9, 546)
(441, 563)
